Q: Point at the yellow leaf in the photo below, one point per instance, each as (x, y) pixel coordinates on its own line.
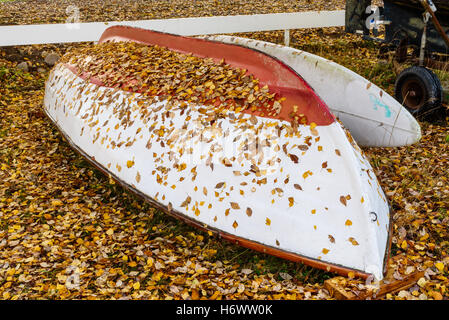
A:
(157, 276)
(424, 237)
(268, 222)
(436, 295)
(136, 286)
(215, 295)
(404, 244)
(291, 201)
(306, 174)
(195, 294)
(129, 163)
(235, 205)
(56, 203)
(440, 266)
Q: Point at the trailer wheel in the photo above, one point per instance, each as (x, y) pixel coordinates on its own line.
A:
(419, 90)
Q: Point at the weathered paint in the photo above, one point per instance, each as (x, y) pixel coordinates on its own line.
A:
(353, 99)
(310, 194)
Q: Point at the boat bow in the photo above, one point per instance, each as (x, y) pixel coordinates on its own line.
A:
(304, 193)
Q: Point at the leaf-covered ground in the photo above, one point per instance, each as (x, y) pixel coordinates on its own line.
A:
(68, 232)
(50, 11)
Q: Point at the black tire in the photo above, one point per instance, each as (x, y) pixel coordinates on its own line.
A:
(419, 90)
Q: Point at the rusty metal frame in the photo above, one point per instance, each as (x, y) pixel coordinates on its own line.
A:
(437, 24)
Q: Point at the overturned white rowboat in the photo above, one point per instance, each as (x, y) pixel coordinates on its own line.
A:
(307, 195)
(373, 117)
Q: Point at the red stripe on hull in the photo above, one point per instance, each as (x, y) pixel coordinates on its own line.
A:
(280, 78)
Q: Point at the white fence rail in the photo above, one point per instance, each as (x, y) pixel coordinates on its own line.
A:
(91, 31)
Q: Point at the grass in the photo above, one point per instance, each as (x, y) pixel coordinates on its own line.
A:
(443, 75)
(19, 80)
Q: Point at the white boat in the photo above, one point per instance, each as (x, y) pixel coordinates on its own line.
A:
(306, 194)
(373, 117)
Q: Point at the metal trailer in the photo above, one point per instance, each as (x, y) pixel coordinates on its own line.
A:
(416, 33)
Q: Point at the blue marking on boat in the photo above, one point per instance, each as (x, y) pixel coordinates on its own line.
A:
(377, 103)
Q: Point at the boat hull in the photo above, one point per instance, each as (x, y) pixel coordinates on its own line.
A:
(307, 195)
(373, 117)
